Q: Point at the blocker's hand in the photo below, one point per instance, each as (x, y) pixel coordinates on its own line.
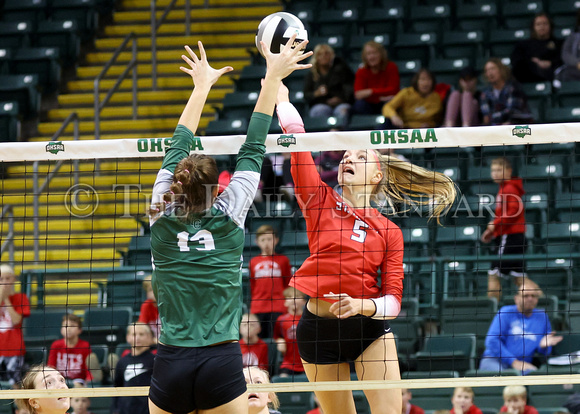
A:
(287, 61)
(199, 68)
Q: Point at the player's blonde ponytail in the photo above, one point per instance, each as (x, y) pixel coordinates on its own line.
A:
(403, 182)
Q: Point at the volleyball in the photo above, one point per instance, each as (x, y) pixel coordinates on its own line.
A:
(276, 29)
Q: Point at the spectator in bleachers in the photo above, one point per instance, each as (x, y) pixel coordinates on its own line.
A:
(80, 405)
(135, 369)
(409, 408)
(417, 106)
(260, 402)
(73, 356)
(517, 332)
(254, 349)
(14, 307)
(570, 70)
(376, 81)
(507, 228)
(149, 313)
(535, 59)
(515, 399)
(502, 102)
(285, 333)
(463, 104)
(270, 273)
(462, 401)
(41, 377)
(318, 409)
(328, 87)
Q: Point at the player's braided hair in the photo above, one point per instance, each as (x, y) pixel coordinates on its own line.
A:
(403, 181)
(194, 181)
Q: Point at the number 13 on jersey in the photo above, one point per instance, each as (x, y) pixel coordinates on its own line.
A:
(203, 237)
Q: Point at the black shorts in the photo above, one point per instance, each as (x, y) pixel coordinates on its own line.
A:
(334, 341)
(188, 379)
(512, 244)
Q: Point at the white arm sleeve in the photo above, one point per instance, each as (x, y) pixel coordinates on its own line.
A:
(388, 307)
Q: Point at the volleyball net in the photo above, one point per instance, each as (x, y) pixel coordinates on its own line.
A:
(75, 231)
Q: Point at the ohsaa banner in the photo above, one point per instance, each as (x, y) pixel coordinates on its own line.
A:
(319, 141)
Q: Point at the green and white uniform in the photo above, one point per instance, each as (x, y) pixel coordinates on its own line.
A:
(197, 278)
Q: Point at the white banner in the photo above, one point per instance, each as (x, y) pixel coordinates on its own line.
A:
(319, 141)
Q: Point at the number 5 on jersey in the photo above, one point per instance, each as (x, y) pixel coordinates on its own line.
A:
(203, 237)
(359, 233)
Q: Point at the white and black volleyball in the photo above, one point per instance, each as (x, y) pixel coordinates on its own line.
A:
(276, 29)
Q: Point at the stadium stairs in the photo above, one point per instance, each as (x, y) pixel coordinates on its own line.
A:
(227, 31)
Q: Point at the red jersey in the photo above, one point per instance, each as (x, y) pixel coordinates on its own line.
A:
(10, 334)
(472, 410)
(413, 409)
(269, 276)
(149, 314)
(509, 208)
(285, 328)
(384, 83)
(314, 411)
(71, 362)
(255, 355)
(348, 246)
(528, 409)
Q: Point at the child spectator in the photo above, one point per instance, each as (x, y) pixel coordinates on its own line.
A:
(260, 402)
(73, 356)
(418, 106)
(80, 405)
(14, 307)
(463, 104)
(254, 349)
(135, 369)
(514, 401)
(508, 227)
(409, 408)
(269, 276)
(285, 333)
(149, 313)
(377, 81)
(462, 401)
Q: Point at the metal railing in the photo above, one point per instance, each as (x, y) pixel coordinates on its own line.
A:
(39, 189)
(132, 65)
(156, 24)
(8, 243)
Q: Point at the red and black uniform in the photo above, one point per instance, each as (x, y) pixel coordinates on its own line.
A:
(510, 229)
(349, 249)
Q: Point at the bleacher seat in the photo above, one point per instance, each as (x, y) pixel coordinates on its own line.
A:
(568, 207)
(462, 44)
(15, 34)
(294, 402)
(337, 41)
(234, 126)
(407, 69)
(331, 22)
(124, 288)
(83, 12)
(568, 94)
(539, 96)
(22, 89)
(42, 327)
(573, 315)
(419, 46)
(456, 241)
(550, 395)
(322, 124)
(32, 11)
(481, 15)
(430, 18)
(502, 41)
(138, 252)
(555, 276)
(447, 70)
(408, 334)
(381, 20)
(536, 209)
(295, 246)
(106, 325)
(366, 122)
(42, 61)
(519, 15)
(546, 178)
(562, 12)
(9, 122)
(566, 114)
(62, 35)
(447, 352)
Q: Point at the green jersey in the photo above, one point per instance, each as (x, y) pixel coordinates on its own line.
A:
(197, 264)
